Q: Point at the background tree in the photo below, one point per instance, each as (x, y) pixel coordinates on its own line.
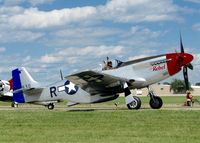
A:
(197, 84)
(178, 86)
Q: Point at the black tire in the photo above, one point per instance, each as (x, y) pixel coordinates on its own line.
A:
(50, 106)
(135, 104)
(156, 102)
(14, 105)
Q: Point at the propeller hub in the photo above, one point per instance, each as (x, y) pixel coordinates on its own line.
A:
(185, 59)
(176, 61)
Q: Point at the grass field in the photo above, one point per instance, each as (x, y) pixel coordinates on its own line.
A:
(39, 125)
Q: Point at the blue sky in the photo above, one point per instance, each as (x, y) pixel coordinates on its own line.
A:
(48, 35)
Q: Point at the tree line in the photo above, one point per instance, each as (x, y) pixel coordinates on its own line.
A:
(178, 86)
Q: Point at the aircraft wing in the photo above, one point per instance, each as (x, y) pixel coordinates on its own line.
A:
(96, 82)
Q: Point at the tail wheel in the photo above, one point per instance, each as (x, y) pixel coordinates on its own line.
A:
(156, 102)
(136, 104)
(50, 106)
(14, 105)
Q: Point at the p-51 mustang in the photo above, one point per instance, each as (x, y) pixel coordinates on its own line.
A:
(100, 86)
(6, 90)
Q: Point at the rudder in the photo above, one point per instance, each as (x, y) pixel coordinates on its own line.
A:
(18, 95)
(22, 80)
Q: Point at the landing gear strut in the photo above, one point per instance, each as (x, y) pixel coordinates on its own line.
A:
(132, 102)
(155, 101)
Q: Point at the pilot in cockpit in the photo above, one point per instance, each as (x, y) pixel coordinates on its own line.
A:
(107, 64)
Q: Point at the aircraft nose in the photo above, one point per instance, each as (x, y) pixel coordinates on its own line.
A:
(187, 58)
(177, 61)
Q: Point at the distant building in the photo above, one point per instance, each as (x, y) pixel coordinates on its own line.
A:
(164, 90)
(196, 90)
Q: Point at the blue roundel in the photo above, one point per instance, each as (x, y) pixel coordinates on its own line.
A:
(70, 88)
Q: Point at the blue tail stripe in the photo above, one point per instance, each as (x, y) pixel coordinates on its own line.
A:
(19, 96)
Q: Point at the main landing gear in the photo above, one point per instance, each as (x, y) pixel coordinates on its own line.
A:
(132, 102)
(155, 101)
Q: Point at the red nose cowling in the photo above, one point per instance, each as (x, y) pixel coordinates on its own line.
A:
(176, 61)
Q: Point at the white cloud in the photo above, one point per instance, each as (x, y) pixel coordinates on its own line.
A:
(11, 2)
(87, 32)
(137, 57)
(39, 2)
(196, 26)
(70, 55)
(141, 37)
(196, 60)
(194, 1)
(92, 51)
(31, 2)
(142, 31)
(50, 59)
(6, 12)
(139, 10)
(126, 11)
(2, 49)
(194, 74)
(34, 18)
(83, 36)
(27, 58)
(19, 36)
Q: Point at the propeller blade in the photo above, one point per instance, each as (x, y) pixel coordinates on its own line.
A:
(185, 70)
(190, 66)
(181, 44)
(185, 75)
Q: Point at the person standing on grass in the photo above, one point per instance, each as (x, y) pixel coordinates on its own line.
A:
(189, 100)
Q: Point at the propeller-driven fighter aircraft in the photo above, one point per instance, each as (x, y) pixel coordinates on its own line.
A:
(94, 86)
(6, 90)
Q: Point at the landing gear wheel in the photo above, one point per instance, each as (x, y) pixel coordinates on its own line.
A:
(156, 102)
(14, 105)
(136, 104)
(50, 106)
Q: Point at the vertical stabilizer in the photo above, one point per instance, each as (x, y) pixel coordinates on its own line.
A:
(26, 79)
(22, 80)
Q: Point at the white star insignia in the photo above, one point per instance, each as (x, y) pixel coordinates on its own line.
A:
(71, 87)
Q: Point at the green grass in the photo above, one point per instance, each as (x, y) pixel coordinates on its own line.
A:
(101, 126)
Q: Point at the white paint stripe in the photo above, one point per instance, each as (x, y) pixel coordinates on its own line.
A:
(61, 88)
